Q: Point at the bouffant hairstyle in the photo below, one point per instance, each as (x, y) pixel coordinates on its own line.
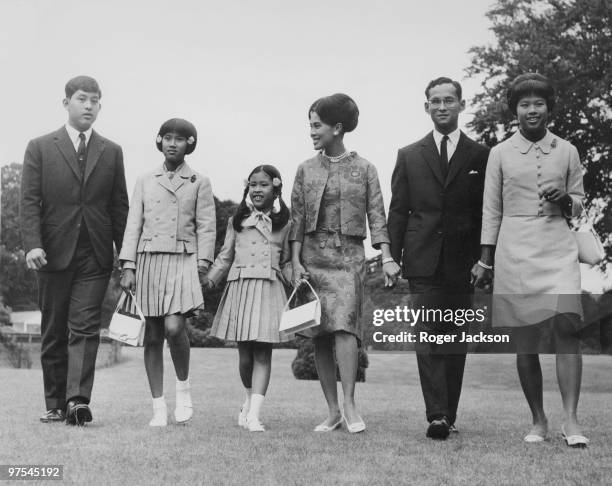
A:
(84, 83)
(444, 80)
(337, 108)
(182, 127)
(280, 218)
(530, 84)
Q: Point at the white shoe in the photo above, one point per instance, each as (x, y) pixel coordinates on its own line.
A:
(254, 425)
(160, 416)
(242, 418)
(323, 427)
(184, 407)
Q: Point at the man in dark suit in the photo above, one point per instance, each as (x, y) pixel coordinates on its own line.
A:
(434, 226)
(74, 205)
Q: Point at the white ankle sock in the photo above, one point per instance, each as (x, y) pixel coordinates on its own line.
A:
(255, 408)
(159, 403)
(183, 393)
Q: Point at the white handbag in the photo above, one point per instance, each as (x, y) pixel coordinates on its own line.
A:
(590, 249)
(302, 317)
(126, 328)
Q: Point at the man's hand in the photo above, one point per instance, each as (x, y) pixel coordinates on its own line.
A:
(36, 259)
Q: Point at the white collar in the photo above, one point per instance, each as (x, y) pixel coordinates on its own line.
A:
(73, 134)
(453, 137)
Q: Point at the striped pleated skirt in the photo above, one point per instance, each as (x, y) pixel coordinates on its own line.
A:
(167, 283)
(250, 310)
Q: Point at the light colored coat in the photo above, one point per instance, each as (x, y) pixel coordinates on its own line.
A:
(537, 274)
(360, 195)
(171, 218)
(253, 252)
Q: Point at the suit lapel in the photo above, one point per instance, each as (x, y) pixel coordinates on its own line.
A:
(318, 177)
(431, 156)
(183, 174)
(94, 151)
(459, 158)
(64, 145)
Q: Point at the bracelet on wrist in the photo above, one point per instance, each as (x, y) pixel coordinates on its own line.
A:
(387, 260)
(484, 265)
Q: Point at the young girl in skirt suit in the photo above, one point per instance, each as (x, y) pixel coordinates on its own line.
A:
(169, 237)
(254, 256)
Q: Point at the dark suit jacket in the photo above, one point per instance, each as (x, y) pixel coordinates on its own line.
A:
(55, 198)
(429, 215)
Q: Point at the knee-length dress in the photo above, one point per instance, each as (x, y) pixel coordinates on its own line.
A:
(536, 269)
(256, 262)
(334, 259)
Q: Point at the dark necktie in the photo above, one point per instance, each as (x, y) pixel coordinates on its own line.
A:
(82, 152)
(444, 156)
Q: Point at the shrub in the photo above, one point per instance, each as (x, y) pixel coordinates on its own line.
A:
(303, 366)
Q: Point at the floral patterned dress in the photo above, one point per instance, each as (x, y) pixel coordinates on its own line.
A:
(336, 263)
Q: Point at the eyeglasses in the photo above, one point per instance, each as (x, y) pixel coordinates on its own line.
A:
(437, 102)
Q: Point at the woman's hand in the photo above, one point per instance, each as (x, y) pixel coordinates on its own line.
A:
(481, 277)
(554, 194)
(391, 271)
(299, 275)
(128, 280)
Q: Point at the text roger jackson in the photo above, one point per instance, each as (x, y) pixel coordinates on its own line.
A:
(425, 337)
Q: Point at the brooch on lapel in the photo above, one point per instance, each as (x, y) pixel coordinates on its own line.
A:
(553, 144)
(473, 172)
(193, 178)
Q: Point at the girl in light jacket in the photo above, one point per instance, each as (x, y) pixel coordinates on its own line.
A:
(169, 237)
(254, 255)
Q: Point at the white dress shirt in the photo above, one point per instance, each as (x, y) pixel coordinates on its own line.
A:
(73, 134)
(451, 144)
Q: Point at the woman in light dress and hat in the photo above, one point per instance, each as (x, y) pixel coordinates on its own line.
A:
(533, 184)
(169, 237)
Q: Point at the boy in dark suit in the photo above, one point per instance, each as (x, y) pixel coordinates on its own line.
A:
(434, 226)
(74, 205)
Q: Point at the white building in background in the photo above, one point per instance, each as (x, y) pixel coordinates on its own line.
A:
(27, 322)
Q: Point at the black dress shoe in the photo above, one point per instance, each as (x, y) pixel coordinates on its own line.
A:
(53, 415)
(438, 429)
(77, 413)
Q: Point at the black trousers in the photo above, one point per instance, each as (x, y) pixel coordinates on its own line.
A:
(440, 365)
(71, 301)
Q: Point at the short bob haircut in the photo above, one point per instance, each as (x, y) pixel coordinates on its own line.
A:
(530, 84)
(337, 108)
(444, 80)
(182, 127)
(84, 83)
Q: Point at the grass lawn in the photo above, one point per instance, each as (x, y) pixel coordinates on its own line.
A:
(119, 447)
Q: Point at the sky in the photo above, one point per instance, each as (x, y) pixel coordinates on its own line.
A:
(243, 72)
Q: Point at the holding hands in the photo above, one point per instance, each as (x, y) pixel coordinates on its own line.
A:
(482, 277)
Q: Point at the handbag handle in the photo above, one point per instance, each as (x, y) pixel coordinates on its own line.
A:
(122, 300)
(295, 291)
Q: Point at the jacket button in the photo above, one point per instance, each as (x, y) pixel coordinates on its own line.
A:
(155, 236)
(265, 241)
(440, 232)
(252, 265)
(252, 254)
(159, 200)
(254, 242)
(171, 236)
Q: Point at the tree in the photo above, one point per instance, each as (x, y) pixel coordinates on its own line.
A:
(17, 285)
(570, 42)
